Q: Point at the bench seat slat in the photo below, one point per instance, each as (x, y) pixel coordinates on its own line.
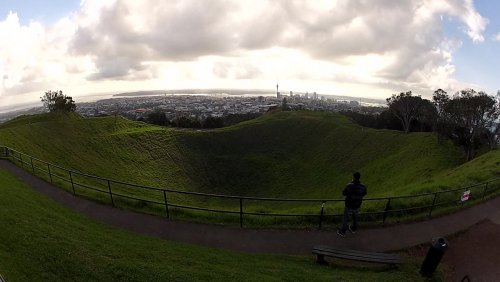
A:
(358, 254)
(369, 259)
(329, 249)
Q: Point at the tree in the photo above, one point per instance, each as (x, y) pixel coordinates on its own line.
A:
(186, 122)
(405, 107)
(427, 117)
(493, 135)
(493, 125)
(440, 98)
(387, 120)
(157, 117)
(443, 126)
(471, 114)
(56, 101)
(212, 122)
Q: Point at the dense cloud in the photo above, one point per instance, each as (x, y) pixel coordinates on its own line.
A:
(385, 43)
(408, 33)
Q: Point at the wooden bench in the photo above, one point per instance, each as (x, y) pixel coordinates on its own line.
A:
(322, 251)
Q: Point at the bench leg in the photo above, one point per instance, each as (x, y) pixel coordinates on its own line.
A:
(320, 259)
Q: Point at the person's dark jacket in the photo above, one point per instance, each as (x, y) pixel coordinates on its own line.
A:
(354, 193)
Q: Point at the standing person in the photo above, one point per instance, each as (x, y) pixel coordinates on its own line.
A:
(354, 193)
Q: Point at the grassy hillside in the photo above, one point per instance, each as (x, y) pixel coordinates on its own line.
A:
(282, 154)
(293, 154)
(108, 146)
(308, 154)
(43, 241)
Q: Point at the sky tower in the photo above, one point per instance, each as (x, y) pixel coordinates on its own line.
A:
(277, 91)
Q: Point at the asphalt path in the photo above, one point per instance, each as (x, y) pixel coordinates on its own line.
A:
(475, 251)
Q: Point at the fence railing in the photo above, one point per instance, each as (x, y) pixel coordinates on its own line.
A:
(242, 209)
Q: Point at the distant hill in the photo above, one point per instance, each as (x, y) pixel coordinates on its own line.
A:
(282, 154)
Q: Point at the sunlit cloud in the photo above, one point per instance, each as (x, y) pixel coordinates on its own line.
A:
(348, 47)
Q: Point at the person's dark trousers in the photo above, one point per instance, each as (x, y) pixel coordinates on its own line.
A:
(345, 219)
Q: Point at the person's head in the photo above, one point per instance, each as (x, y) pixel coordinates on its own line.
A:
(356, 176)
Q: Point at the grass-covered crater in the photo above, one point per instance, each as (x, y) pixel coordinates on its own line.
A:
(281, 154)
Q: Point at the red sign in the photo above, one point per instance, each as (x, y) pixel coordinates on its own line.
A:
(465, 196)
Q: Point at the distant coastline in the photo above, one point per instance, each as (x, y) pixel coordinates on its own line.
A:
(195, 91)
(33, 106)
(243, 92)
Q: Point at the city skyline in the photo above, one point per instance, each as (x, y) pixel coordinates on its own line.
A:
(352, 48)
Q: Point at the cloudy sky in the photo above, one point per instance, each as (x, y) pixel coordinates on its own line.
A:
(368, 48)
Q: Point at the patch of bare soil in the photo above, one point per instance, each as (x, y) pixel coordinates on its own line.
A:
(475, 253)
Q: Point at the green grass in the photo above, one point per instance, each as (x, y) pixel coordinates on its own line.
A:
(281, 154)
(41, 240)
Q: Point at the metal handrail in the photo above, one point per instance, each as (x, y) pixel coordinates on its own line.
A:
(11, 153)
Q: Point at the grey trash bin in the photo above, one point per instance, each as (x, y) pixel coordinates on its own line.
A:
(436, 251)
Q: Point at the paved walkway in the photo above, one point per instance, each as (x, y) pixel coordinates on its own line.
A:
(476, 253)
(296, 242)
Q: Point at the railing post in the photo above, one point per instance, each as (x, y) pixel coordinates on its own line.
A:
(110, 193)
(72, 184)
(21, 159)
(166, 203)
(50, 173)
(386, 210)
(485, 189)
(241, 212)
(32, 166)
(433, 203)
(321, 214)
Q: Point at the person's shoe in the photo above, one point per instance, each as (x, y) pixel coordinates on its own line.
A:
(340, 233)
(352, 230)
